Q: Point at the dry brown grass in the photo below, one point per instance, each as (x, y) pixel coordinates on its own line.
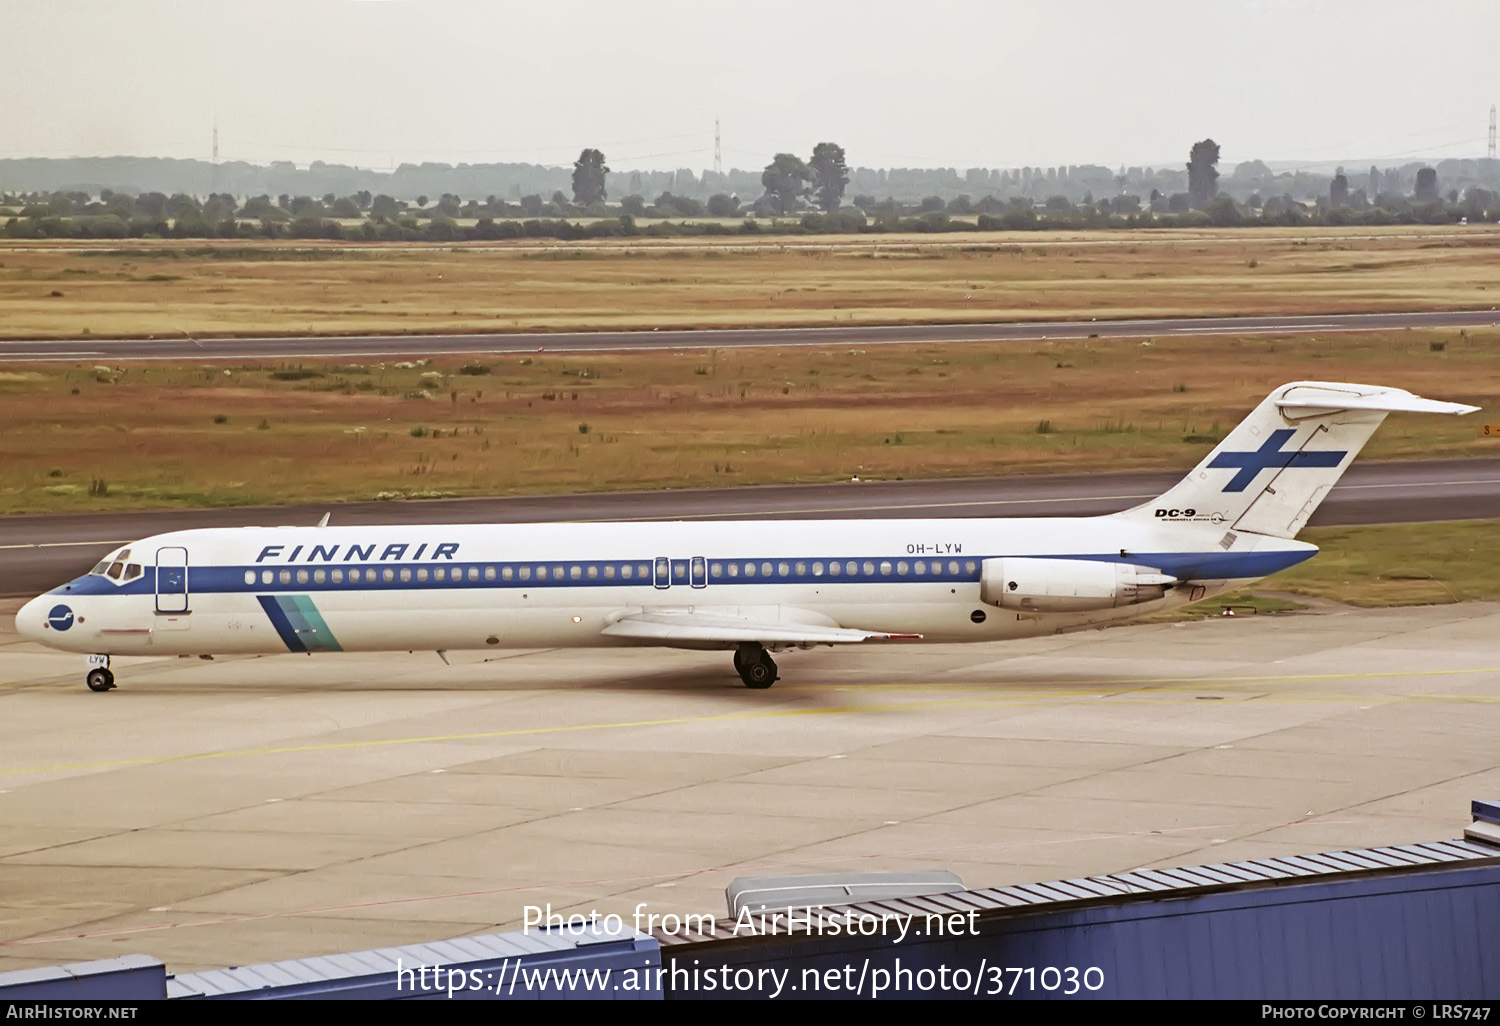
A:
(1400, 564)
(733, 417)
(268, 288)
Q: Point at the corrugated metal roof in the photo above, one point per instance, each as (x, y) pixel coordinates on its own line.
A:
(1180, 881)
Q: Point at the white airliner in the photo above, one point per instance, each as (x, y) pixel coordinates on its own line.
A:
(749, 587)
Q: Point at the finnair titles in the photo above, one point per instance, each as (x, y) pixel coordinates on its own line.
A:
(751, 588)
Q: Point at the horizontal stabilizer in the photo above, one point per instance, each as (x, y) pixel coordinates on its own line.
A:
(696, 626)
(1385, 400)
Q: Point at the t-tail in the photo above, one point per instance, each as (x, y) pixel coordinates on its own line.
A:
(1274, 469)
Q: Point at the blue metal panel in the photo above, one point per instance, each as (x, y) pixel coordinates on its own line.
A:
(1321, 934)
(127, 978)
(501, 966)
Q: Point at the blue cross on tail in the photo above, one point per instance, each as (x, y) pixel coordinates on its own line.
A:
(1270, 456)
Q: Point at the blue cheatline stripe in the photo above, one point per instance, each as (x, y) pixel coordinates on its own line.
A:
(302, 578)
(278, 620)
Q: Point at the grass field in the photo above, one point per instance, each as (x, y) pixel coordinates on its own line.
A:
(1384, 565)
(164, 288)
(1400, 564)
(86, 437)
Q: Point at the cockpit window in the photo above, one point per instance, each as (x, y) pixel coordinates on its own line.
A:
(118, 568)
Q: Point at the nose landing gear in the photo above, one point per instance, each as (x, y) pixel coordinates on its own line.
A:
(99, 676)
(755, 665)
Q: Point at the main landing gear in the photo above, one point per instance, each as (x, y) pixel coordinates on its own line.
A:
(99, 677)
(755, 665)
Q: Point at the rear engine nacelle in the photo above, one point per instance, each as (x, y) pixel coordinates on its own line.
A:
(1068, 585)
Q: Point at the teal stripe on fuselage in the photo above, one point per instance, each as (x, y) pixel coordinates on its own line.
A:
(325, 639)
(310, 627)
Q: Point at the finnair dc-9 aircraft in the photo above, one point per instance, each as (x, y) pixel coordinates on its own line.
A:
(751, 588)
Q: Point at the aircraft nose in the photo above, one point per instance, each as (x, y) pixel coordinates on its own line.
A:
(31, 619)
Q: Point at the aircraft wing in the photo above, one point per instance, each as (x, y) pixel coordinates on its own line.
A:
(693, 625)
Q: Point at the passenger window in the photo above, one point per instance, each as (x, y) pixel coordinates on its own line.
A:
(301, 576)
(441, 573)
(541, 573)
(765, 569)
(716, 569)
(734, 569)
(970, 567)
(265, 577)
(319, 576)
(249, 576)
(627, 571)
(489, 573)
(869, 569)
(422, 573)
(609, 571)
(921, 567)
(354, 575)
(524, 573)
(285, 576)
(593, 571)
(885, 568)
(388, 575)
(406, 573)
(749, 569)
(953, 567)
(833, 569)
(901, 568)
(474, 573)
(801, 569)
(817, 569)
(643, 570)
(575, 571)
(338, 576)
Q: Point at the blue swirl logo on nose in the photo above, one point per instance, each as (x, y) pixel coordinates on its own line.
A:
(60, 619)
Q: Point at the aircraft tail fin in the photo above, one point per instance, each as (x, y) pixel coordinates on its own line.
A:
(1280, 462)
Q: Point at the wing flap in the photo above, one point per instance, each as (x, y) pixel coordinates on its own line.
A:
(697, 626)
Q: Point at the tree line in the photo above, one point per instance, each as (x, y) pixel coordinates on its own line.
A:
(811, 193)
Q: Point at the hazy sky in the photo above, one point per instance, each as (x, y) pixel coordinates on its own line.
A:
(933, 83)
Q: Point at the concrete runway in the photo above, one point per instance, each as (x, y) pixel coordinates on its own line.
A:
(183, 347)
(236, 811)
(41, 551)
